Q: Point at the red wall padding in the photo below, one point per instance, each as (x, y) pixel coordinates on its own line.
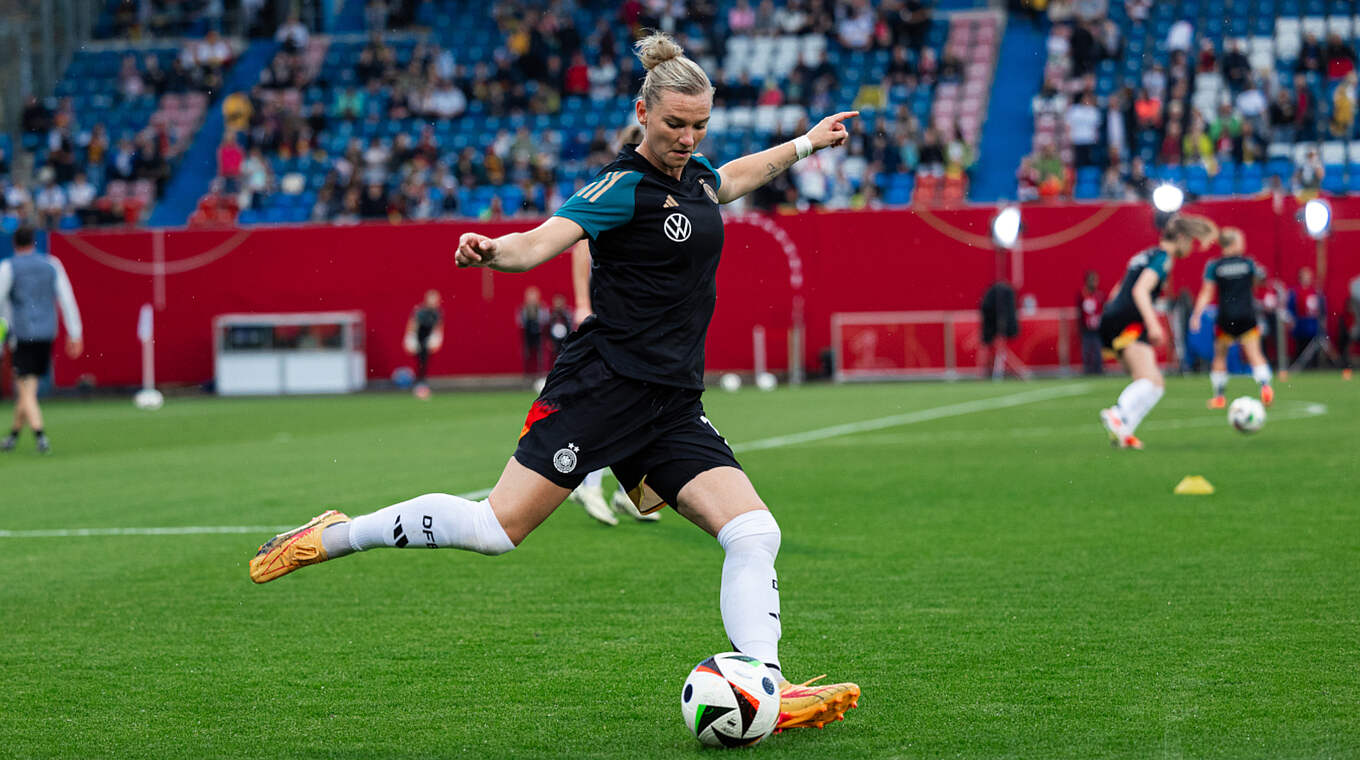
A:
(849, 261)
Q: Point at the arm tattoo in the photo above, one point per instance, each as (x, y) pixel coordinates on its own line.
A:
(773, 169)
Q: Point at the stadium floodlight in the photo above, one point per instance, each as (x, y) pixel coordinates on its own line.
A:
(1317, 218)
(1168, 198)
(1006, 227)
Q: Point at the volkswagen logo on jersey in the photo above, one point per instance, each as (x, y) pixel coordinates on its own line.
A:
(677, 227)
(565, 458)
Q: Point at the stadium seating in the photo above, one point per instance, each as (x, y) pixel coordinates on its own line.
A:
(956, 61)
(1271, 34)
(735, 129)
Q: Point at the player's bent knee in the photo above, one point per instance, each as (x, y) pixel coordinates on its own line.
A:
(754, 531)
(489, 537)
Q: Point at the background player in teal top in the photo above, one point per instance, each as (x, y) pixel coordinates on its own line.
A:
(625, 391)
(1131, 330)
(1234, 278)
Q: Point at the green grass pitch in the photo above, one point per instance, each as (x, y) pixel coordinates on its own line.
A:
(997, 579)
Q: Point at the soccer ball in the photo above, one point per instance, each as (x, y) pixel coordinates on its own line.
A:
(730, 700)
(1246, 414)
(730, 382)
(149, 399)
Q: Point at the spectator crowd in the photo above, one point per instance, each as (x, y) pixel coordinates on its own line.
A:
(1164, 118)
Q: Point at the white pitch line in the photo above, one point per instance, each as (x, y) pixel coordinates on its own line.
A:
(187, 530)
(1302, 410)
(922, 415)
(820, 434)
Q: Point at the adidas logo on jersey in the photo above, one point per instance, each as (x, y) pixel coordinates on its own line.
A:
(669, 202)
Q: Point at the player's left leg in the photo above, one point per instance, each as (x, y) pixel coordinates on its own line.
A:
(1260, 368)
(1141, 395)
(20, 416)
(1218, 372)
(723, 502)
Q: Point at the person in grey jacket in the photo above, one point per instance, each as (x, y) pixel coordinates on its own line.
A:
(33, 286)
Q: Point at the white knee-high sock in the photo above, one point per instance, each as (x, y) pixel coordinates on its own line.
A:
(594, 479)
(1136, 401)
(750, 588)
(1261, 374)
(1219, 380)
(434, 521)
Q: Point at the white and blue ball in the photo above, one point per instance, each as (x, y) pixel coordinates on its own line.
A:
(1246, 414)
(730, 700)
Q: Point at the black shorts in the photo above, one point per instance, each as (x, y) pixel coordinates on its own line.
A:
(1117, 332)
(32, 358)
(1233, 328)
(656, 438)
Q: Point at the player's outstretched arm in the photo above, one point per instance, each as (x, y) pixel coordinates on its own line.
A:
(518, 251)
(747, 173)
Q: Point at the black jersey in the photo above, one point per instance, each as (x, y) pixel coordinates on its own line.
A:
(1235, 277)
(1121, 308)
(655, 245)
(426, 320)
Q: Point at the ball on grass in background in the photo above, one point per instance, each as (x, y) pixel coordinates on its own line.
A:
(730, 382)
(539, 384)
(766, 381)
(1246, 414)
(403, 377)
(149, 399)
(730, 700)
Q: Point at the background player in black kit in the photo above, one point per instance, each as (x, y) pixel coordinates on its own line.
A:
(1234, 278)
(1130, 329)
(626, 390)
(425, 336)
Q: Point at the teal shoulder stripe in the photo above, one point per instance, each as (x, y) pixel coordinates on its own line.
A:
(604, 204)
(717, 178)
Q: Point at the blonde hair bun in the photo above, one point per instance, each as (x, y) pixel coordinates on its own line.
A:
(656, 48)
(668, 69)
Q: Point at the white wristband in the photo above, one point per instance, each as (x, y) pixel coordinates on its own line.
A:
(803, 146)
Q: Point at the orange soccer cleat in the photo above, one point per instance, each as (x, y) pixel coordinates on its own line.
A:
(808, 705)
(290, 550)
(1267, 395)
(1218, 402)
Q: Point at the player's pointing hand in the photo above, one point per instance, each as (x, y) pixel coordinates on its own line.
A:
(474, 250)
(831, 132)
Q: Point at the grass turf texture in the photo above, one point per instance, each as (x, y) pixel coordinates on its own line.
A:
(1001, 583)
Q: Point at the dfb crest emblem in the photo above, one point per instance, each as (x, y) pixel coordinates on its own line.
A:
(565, 458)
(709, 191)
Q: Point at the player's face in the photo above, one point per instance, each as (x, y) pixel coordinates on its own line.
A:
(674, 126)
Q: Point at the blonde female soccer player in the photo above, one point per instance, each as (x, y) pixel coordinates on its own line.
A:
(590, 494)
(626, 390)
(1234, 277)
(1130, 330)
